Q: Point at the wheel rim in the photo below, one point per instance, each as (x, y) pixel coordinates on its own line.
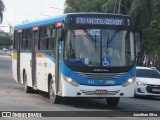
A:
(25, 86)
(51, 91)
(25, 83)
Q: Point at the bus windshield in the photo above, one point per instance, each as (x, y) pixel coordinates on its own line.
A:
(99, 47)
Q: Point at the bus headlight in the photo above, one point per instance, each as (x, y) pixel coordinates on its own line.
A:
(128, 82)
(71, 81)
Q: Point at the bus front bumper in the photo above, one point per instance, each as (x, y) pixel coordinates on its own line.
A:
(69, 90)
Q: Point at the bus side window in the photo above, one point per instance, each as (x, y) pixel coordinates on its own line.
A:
(42, 39)
(47, 44)
(50, 39)
(15, 40)
(23, 42)
(47, 38)
(20, 40)
(28, 40)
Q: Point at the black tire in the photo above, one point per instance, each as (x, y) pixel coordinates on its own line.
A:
(136, 96)
(54, 99)
(27, 89)
(112, 101)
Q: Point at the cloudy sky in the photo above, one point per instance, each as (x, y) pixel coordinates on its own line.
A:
(18, 11)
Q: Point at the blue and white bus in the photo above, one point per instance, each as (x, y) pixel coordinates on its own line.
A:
(77, 55)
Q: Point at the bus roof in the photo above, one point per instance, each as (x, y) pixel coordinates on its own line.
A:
(40, 22)
(58, 18)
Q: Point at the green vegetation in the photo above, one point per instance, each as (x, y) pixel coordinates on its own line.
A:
(5, 41)
(84, 5)
(2, 8)
(146, 14)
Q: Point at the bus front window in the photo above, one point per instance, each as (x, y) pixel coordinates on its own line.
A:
(82, 48)
(99, 47)
(117, 48)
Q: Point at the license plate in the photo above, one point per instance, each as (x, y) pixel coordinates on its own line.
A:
(101, 91)
(155, 90)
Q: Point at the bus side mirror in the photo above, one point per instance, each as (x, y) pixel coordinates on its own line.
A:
(60, 34)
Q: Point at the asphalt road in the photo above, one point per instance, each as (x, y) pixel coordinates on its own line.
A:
(13, 98)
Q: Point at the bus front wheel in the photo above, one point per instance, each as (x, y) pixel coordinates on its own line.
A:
(112, 101)
(54, 99)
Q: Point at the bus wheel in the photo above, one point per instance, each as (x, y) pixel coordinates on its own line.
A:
(54, 99)
(112, 101)
(27, 89)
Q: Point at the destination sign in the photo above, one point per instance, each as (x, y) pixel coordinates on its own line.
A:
(102, 21)
(81, 20)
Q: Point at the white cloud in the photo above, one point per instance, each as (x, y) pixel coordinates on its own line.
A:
(18, 11)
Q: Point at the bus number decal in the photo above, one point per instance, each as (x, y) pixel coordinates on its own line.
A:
(91, 82)
(110, 82)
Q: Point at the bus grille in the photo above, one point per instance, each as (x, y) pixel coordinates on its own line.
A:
(106, 76)
(93, 92)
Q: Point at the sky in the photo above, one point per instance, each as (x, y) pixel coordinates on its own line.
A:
(17, 11)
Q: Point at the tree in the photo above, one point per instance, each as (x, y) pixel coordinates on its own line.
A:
(2, 8)
(140, 10)
(112, 6)
(83, 5)
(151, 37)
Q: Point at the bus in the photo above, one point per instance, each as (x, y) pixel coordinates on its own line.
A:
(76, 55)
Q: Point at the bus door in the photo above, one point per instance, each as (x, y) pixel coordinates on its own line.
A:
(33, 57)
(58, 61)
(19, 39)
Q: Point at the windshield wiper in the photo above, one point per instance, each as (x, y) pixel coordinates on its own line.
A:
(113, 36)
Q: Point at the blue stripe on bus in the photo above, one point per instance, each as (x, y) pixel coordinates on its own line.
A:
(48, 56)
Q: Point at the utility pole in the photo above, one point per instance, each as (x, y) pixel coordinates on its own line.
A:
(115, 4)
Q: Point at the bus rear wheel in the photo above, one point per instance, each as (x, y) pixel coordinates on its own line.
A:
(112, 101)
(54, 99)
(27, 89)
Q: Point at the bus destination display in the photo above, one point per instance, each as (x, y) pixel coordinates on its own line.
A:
(101, 21)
